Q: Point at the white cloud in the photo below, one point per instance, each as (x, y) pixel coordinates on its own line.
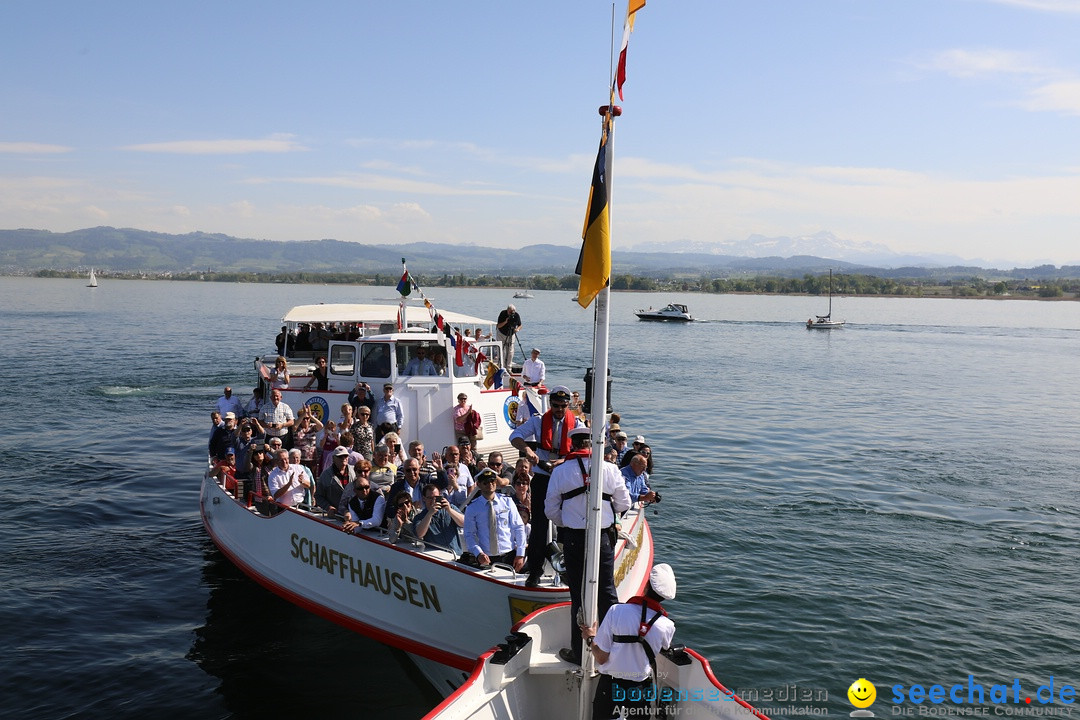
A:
(385, 183)
(28, 148)
(1055, 97)
(1062, 6)
(960, 62)
(272, 144)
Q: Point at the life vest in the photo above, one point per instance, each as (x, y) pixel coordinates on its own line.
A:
(584, 486)
(643, 627)
(547, 431)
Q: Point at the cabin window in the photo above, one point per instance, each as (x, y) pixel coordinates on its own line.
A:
(421, 358)
(342, 360)
(375, 360)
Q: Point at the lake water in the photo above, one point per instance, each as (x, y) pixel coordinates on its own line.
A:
(895, 500)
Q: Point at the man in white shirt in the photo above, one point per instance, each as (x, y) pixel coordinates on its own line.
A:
(227, 403)
(626, 644)
(533, 370)
(287, 482)
(566, 504)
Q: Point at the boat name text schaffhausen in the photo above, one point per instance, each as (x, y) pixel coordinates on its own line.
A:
(364, 574)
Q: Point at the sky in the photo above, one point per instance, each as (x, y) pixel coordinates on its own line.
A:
(928, 126)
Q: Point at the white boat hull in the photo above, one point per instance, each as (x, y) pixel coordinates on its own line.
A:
(406, 596)
(536, 683)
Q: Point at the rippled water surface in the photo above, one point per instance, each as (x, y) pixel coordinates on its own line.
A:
(895, 500)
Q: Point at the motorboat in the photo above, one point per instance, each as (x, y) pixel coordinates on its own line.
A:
(523, 295)
(408, 594)
(825, 322)
(672, 312)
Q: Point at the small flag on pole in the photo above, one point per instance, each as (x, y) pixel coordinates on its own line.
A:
(404, 286)
(628, 27)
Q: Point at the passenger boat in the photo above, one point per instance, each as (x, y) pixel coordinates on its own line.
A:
(525, 677)
(673, 312)
(825, 322)
(411, 595)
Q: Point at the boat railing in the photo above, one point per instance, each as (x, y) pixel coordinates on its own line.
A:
(269, 508)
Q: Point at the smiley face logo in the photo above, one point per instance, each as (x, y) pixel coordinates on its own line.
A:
(862, 693)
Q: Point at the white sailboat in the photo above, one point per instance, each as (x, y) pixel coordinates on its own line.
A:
(825, 322)
(524, 293)
(525, 677)
(93, 279)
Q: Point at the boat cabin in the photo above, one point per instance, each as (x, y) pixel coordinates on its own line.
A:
(424, 365)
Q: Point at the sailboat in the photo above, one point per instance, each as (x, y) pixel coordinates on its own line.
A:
(825, 322)
(526, 676)
(524, 293)
(93, 279)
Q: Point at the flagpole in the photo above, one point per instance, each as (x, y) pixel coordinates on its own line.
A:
(599, 402)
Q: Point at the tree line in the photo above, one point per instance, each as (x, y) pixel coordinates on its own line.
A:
(808, 284)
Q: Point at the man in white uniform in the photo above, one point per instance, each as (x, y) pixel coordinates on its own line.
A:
(626, 644)
(566, 504)
(533, 370)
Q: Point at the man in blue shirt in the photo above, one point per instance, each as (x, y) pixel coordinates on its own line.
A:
(637, 480)
(494, 531)
(439, 521)
(389, 415)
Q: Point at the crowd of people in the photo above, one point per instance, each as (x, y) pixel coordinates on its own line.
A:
(357, 467)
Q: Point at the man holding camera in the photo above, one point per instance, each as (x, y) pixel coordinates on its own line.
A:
(439, 521)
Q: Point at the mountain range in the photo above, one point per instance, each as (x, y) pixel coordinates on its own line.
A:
(141, 251)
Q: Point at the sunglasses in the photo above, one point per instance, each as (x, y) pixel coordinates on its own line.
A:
(494, 464)
(521, 483)
(364, 487)
(559, 406)
(403, 504)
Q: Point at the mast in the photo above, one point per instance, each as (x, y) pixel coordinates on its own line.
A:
(830, 295)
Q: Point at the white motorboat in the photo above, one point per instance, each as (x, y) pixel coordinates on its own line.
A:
(825, 322)
(673, 312)
(523, 295)
(415, 597)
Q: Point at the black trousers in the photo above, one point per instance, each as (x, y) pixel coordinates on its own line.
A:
(612, 693)
(538, 532)
(574, 555)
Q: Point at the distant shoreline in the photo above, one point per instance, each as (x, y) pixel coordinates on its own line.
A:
(956, 292)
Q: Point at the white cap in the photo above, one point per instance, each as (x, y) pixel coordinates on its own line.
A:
(579, 430)
(559, 390)
(662, 580)
(230, 416)
(640, 439)
(341, 450)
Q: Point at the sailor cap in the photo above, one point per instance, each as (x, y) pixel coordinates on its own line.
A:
(559, 392)
(662, 580)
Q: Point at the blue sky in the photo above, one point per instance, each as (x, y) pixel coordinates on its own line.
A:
(946, 126)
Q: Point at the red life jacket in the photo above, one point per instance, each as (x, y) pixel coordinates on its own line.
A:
(547, 430)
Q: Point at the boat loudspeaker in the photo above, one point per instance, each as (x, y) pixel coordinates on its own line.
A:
(555, 557)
